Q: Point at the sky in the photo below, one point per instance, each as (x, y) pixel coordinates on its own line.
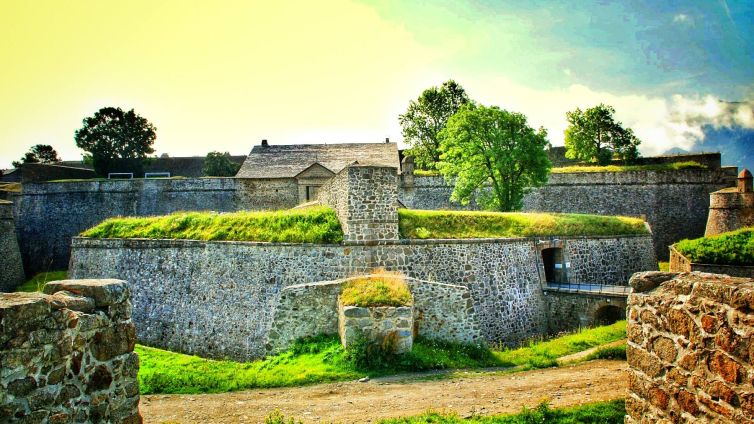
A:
(223, 75)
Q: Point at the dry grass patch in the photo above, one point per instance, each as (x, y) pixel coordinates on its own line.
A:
(379, 289)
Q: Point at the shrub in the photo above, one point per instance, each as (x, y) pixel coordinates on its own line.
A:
(732, 248)
(365, 355)
(381, 289)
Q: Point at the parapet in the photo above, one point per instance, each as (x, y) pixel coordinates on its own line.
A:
(68, 354)
(732, 208)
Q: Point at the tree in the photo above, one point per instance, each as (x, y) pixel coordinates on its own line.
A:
(594, 135)
(118, 141)
(40, 153)
(494, 155)
(426, 117)
(218, 164)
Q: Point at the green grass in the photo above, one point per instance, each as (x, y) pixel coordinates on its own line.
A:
(545, 353)
(385, 289)
(322, 359)
(733, 248)
(310, 225)
(422, 224)
(625, 168)
(664, 266)
(611, 412)
(37, 282)
(608, 352)
(426, 173)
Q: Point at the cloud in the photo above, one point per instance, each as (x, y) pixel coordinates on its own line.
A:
(683, 18)
(661, 123)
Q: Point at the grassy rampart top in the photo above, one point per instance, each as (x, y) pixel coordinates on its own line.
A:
(676, 166)
(419, 224)
(733, 248)
(311, 225)
(380, 289)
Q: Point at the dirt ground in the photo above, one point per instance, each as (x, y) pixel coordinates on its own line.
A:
(355, 402)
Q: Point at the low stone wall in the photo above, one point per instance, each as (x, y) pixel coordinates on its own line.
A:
(566, 310)
(441, 311)
(12, 273)
(218, 299)
(49, 214)
(680, 263)
(689, 348)
(67, 355)
(388, 326)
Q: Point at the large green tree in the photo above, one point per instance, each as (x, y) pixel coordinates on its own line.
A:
(426, 117)
(39, 153)
(594, 135)
(218, 164)
(492, 155)
(117, 141)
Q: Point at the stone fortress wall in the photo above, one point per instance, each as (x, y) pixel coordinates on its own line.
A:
(48, 215)
(675, 203)
(690, 348)
(219, 299)
(67, 355)
(10, 256)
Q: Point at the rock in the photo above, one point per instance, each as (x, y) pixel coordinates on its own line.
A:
(105, 292)
(646, 281)
(363, 380)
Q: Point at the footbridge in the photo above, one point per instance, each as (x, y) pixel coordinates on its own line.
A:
(585, 305)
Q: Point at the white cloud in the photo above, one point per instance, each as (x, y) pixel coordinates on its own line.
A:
(683, 18)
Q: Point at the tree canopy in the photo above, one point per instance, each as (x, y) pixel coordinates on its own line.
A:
(492, 155)
(118, 141)
(39, 153)
(426, 117)
(218, 164)
(594, 135)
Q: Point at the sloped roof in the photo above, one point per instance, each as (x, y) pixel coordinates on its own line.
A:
(287, 161)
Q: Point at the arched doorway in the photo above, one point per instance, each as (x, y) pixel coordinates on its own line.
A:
(608, 314)
(552, 259)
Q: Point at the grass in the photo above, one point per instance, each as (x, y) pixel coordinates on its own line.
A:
(732, 248)
(611, 412)
(625, 168)
(426, 173)
(311, 225)
(664, 266)
(422, 224)
(382, 289)
(608, 352)
(36, 283)
(322, 359)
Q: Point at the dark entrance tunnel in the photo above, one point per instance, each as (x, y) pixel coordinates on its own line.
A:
(608, 314)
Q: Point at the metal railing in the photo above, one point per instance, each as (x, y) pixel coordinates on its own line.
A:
(589, 288)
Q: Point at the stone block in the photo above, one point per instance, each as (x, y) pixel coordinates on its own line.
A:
(105, 292)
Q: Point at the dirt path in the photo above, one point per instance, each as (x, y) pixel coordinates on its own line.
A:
(354, 402)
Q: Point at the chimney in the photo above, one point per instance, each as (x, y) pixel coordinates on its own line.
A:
(264, 143)
(745, 182)
(387, 139)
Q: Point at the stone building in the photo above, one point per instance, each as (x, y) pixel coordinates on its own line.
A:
(309, 166)
(732, 208)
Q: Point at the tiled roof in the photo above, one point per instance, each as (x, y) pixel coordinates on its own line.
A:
(287, 161)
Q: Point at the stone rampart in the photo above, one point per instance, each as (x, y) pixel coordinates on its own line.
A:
(10, 257)
(675, 203)
(48, 215)
(441, 311)
(67, 355)
(689, 348)
(365, 199)
(218, 299)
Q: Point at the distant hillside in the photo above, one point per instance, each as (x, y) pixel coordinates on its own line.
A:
(736, 145)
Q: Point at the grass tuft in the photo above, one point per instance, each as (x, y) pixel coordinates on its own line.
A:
(421, 224)
(627, 168)
(608, 352)
(732, 248)
(310, 225)
(36, 283)
(380, 289)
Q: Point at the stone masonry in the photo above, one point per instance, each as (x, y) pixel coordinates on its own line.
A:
(690, 348)
(731, 208)
(67, 355)
(365, 199)
(388, 326)
(12, 273)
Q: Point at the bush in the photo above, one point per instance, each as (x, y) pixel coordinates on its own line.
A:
(365, 355)
(732, 248)
(382, 289)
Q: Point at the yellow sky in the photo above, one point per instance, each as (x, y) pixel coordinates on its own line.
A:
(209, 77)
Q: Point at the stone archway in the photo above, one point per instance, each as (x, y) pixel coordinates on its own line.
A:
(608, 314)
